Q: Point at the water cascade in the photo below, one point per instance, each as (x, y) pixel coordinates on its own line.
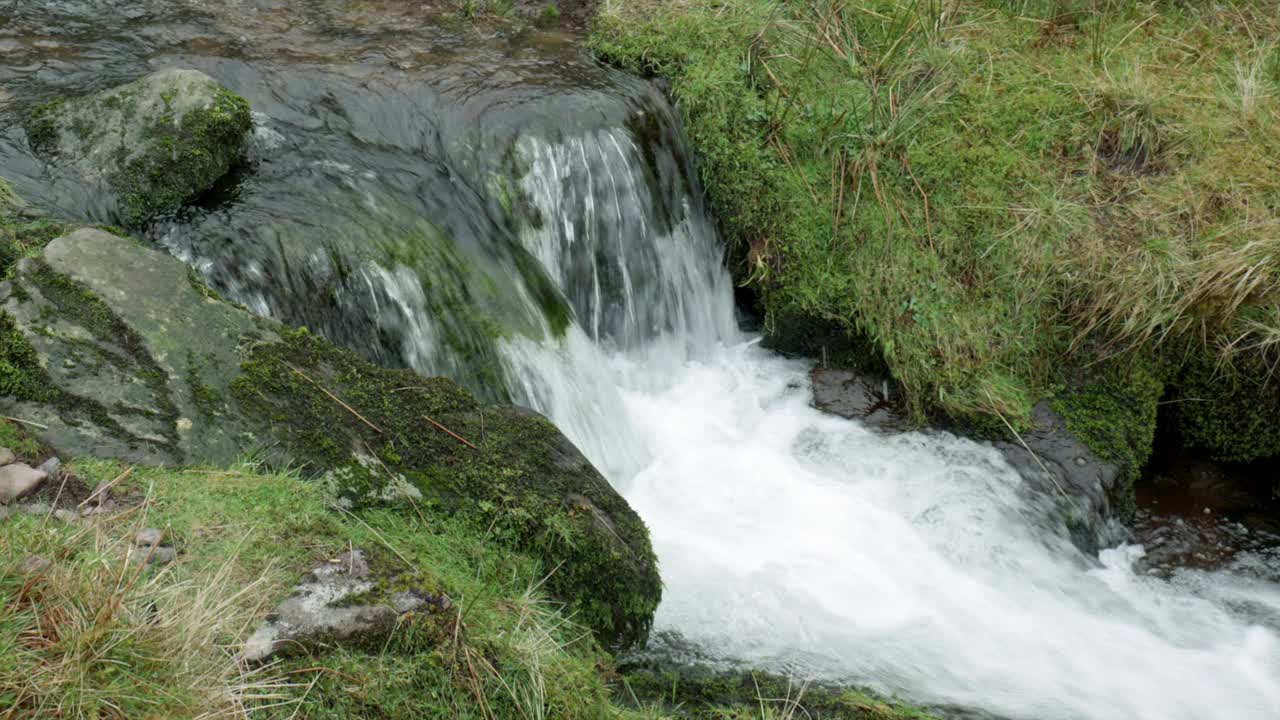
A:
(530, 222)
(806, 543)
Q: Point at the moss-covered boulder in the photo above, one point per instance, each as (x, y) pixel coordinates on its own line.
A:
(152, 144)
(116, 351)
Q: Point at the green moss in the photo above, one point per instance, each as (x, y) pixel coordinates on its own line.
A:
(521, 481)
(549, 16)
(21, 376)
(1230, 411)
(22, 235)
(15, 437)
(706, 695)
(41, 125)
(184, 157)
(1111, 407)
(207, 401)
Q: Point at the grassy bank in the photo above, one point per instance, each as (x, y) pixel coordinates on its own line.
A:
(96, 635)
(1008, 200)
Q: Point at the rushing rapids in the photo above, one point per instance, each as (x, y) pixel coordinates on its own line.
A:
(511, 213)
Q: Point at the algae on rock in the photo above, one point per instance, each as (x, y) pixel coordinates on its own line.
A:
(154, 144)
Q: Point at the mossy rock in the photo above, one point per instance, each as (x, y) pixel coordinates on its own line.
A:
(23, 232)
(1111, 407)
(698, 693)
(153, 144)
(119, 353)
(1232, 412)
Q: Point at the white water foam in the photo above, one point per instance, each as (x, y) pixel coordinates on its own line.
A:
(801, 542)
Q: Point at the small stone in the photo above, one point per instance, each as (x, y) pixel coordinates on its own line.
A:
(6, 456)
(147, 537)
(34, 565)
(162, 556)
(4, 512)
(50, 466)
(17, 480)
(92, 509)
(67, 516)
(410, 600)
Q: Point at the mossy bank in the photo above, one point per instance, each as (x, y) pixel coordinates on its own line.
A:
(1001, 202)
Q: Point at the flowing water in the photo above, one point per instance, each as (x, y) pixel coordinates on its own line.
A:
(496, 206)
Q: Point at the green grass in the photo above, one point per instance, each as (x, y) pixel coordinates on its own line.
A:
(991, 192)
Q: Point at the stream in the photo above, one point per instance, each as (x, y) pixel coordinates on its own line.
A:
(495, 205)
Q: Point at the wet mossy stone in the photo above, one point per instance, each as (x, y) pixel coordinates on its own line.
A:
(378, 435)
(153, 144)
(1110, 407)
(697, 692)
(113, 347)
(1232, 412)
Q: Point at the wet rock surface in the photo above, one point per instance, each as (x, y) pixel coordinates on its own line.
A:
(321, 611)
(1056, 465)
(856, 396)
(1200, 514)
(149, 145)
(1057, 468)
(138, 358)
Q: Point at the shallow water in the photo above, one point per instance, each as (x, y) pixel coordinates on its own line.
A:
(413, 184)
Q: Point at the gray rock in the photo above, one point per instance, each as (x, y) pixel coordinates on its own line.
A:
(1057, 466)
(4, 512)
(157, 406)
(149, 145)
(94, 508)
(17, 480)
(50, 466)
(66, 516)
(319, 611)
(857, 397)
(6, 456)
(160, 555)
(147, 537)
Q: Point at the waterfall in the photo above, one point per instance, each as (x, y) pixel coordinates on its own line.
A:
(804, 543)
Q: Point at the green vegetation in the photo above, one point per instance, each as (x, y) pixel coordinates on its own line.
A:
(698, 694)
(22, 235)
(507, 470)
(96, 635)
(997, 195)
(1231, 411)
(185, 155)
